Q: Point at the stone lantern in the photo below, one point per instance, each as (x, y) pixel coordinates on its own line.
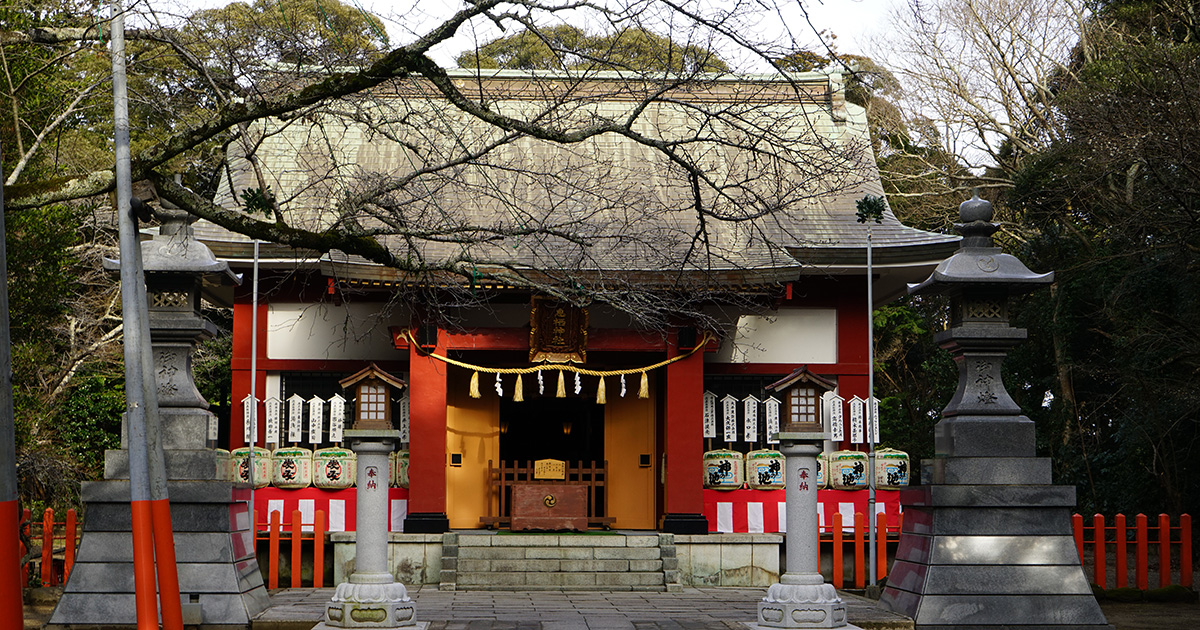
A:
(219, 579)
(988, 543)
(371, 598)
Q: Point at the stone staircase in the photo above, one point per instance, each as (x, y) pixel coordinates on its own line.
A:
(559, 562)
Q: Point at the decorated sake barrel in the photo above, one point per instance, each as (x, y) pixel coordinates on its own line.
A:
(239, 466)
(400, 469)
(333, 468)
(225, 468)
(891, 469)
(764, 469)
(723, 470)
(822, 465)
(847, 470)
(291, 467)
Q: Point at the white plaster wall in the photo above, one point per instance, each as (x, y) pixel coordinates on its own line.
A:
(794, 335)
(330, 331)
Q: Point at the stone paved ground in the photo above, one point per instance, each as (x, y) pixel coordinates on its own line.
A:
(693, 609)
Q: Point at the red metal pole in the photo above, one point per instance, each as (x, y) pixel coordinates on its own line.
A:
(838, 571)
(1122, 551)
(1077, 528)
(1185, 550)
(11, 550)
(1164, 550)
(168, 574)
(1143, 568)
(860, 543)
(48, 547)
(143, 565)
(881, 528)
(318, 549)
(273, 546)
(1101, 562)
(297, 532)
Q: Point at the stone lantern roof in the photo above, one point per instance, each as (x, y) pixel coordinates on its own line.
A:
(978, 262)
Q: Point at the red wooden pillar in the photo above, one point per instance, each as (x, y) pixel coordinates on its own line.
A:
(243, 312)
(683, 500)
(852, 351)
(427, 440)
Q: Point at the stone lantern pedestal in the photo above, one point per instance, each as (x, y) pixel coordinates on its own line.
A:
(801, 599)
(988, 543)
(219, 579)
(372, 598)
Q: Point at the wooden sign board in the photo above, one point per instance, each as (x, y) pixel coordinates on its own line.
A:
(545, 506)
(550, 469)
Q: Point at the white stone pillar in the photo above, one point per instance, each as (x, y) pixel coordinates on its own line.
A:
(801, 599)
(372, 598)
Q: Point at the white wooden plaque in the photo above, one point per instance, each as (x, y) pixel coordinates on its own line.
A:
(837, 418)
(337, 417)
(750, 418)
(316, 419)
(771, 408)
(404, 417)
(249, 420)
(729, 419)
(856, 420)
(272, 406)
(295, 418)
(710, 415)
(874, 420)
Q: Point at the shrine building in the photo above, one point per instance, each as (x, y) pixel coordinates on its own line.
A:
(485, 378)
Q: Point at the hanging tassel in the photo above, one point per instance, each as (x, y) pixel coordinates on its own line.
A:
(622, 386)
(578, 384)
(600, 397)
(499, 385)
(541, 385)
(475, 385)
(519, 392)
(644, 390)
(562, 385)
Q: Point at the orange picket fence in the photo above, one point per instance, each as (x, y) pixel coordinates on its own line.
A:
(1109, 553)
(298, 535)
(1173, 545)
(55, 558)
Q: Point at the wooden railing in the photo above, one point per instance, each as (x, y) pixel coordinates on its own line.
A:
(846, 549)
(1099, 538)
(298, 535)
(502, 478)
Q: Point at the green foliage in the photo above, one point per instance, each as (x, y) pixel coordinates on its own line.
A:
(870, 208)
(41, 269)
(567, 47)
(258, 201)
(89, 421)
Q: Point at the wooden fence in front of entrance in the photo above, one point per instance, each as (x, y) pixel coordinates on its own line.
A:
(502, 478)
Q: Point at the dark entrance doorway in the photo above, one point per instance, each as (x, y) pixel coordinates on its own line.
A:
(570, 429)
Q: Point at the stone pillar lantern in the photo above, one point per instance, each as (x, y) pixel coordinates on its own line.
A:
(988, 543)
(371, 598)
(219, 579)
(801, 599)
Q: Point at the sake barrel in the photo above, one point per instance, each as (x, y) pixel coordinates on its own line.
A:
(847, 470)
(226, 466)
(723, 470)
(291, 467)
(764, 469)
(891, 469)
(239, 463)
(333, 468)
(822, 466)
(400, 478)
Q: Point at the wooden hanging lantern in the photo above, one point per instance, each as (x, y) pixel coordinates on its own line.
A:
(801, 393)
(372, 397)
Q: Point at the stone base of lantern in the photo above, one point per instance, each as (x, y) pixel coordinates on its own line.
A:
(219, 579)
(796, 605)
(370, 601)
(989, 542)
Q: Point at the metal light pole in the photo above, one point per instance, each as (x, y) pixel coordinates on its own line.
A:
(147, 474)
(871, 437)
(11, 612)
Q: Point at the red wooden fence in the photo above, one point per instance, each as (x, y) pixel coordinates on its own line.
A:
(1172, 545)
(1099, 538)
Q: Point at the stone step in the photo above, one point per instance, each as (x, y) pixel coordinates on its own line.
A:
(560, 562)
